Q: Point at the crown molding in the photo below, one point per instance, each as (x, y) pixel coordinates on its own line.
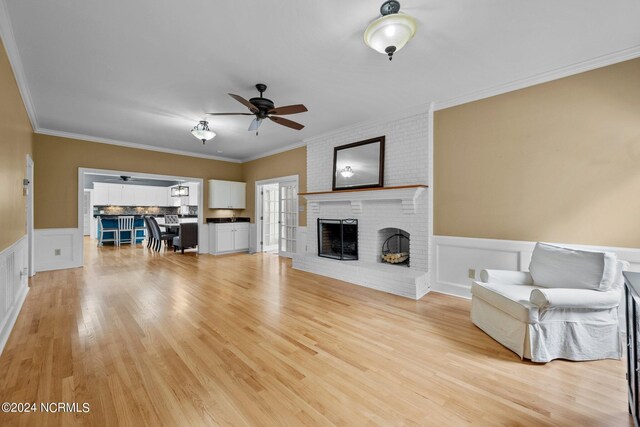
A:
(132, 145)
(417, 110)
(11, 47)
(274, 151)
(580, 67)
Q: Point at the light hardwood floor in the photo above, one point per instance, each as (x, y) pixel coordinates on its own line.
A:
(170, 339)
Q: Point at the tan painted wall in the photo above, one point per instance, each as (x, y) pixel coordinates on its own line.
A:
(56, 173)
(555, 162)
(292, 162)
(15, 144)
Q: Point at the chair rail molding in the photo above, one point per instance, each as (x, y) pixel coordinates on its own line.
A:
(455, 256)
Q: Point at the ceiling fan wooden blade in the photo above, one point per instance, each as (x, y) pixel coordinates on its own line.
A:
(289, 109)
(286, 122)
(229, 114)
(244, 102)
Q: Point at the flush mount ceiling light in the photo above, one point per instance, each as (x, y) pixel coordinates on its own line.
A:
(202, 131)
(389, 33)
(347, 172)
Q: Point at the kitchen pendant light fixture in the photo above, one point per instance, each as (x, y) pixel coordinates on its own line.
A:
(202, 131)
(389, 33)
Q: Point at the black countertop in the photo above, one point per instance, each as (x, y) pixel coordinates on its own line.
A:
(141, 215)
(225, 220)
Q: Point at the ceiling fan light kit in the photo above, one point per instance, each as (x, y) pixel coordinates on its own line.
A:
(202, 131)
(264, 108)
(389, 33)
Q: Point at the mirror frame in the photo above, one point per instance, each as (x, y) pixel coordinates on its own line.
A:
(380, 183)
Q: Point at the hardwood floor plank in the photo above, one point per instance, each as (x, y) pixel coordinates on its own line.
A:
(171, 339)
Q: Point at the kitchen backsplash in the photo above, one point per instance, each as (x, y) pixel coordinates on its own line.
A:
(144, 210)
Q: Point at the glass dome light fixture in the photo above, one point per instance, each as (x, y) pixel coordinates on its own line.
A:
(389, 33)
(347, 172)
(202, 131)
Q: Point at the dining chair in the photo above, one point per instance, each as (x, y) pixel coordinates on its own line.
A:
(107, 226)
(159, 236)
(125, 225)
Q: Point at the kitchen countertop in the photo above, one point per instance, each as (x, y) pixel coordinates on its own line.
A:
(141, 215)
(225, 220)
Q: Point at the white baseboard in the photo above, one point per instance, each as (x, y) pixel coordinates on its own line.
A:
(454, 256)
(14, 269)
(67, 240)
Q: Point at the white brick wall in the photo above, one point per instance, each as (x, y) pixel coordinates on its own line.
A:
(406, 162)
(406, 152)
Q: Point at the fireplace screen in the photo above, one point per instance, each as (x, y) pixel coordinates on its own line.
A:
(338, 238)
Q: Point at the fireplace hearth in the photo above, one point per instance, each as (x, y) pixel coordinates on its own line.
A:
(338, 239)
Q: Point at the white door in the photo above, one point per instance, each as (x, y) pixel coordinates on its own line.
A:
(86, 210)
(288, 218)
(219, 194)
(29, 208)
(270, 217)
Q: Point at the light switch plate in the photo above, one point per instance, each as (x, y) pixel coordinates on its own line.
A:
(472, 273)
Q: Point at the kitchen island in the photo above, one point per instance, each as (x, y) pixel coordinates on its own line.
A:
(111, 221)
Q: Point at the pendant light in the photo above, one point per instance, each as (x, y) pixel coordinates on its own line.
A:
(389, 33)
(202, 131)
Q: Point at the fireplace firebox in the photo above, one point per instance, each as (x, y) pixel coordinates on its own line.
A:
(338, 239)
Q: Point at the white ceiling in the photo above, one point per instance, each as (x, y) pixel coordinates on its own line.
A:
(146, 71)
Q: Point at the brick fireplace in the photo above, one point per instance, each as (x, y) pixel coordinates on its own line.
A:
(403, 204)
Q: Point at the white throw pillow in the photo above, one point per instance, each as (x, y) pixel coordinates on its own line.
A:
(558, 267)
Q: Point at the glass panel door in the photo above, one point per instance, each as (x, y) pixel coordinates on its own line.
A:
(270, 217)
(288, 217)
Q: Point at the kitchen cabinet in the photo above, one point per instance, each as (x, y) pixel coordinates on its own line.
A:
(100, 194)
(130, 195)
(193, 194)
(228, 237)
(115, 194)
(227, 194)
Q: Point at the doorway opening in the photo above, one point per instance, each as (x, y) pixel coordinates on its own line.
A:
(110, 193)
(277, 215)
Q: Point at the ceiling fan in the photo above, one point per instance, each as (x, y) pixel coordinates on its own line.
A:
(264, 108)
(121, 178)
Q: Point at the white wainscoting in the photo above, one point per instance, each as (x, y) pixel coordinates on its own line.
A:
(67, 240)
(454, 256)
(14, 271)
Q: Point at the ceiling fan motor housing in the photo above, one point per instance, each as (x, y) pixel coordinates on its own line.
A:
(263, 105)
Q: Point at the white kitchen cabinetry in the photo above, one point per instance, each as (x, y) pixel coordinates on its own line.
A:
(228, 237)
(130, 195)
(227, 194)
(115, 194)
(193, 194)
(100, 194)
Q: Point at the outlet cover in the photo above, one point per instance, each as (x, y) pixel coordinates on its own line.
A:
(57, 252)
(472, 273)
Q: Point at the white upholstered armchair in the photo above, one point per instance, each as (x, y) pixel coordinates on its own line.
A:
(565, 307)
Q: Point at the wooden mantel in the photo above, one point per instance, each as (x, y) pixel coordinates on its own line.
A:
(405, 194)
(365, 189)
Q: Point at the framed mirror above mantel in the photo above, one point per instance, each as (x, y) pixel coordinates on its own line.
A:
(359, 165)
